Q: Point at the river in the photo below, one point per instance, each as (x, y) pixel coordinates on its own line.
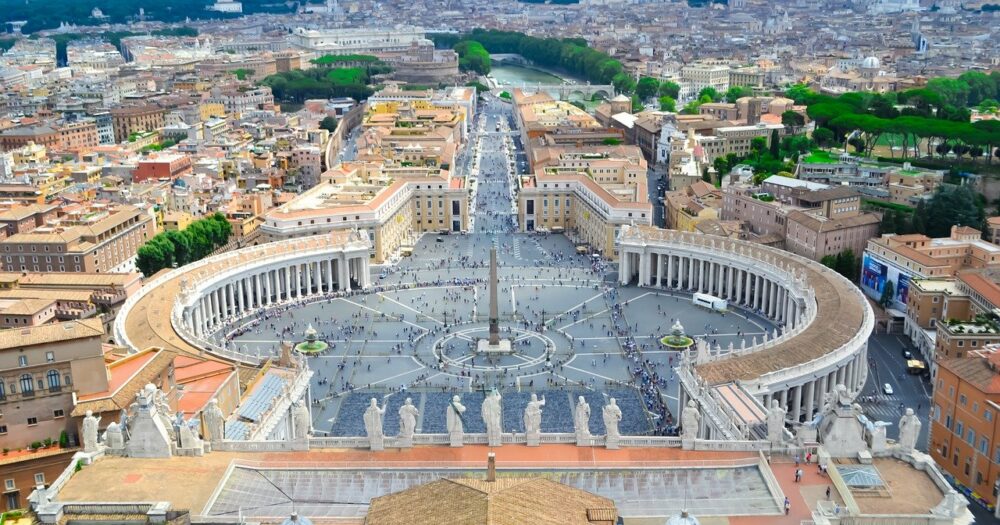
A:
(514, 75)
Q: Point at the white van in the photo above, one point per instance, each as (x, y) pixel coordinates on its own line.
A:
(709, 301)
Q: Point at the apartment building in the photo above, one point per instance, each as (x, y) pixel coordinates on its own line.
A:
(696, 203)
(964, 434)
(136, 119)
(96, 238)
(392, 203)
(900, 259)
(42, 368)
(809, 219)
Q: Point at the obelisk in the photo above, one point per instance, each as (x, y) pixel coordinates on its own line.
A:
(494, 315)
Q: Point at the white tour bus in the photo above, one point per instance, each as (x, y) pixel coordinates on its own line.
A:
(709, 301)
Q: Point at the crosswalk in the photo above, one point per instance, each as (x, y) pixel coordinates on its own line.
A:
(883, 410)
(517, 248)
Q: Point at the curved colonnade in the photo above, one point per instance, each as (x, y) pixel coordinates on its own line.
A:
(826, 320)
(180, 309)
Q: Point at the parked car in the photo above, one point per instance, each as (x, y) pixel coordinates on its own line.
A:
(887, 389)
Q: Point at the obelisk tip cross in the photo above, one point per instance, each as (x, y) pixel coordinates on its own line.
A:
(494, 316)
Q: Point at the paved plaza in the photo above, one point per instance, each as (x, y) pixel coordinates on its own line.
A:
(575, 332)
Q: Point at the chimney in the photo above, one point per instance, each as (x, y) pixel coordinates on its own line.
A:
(491, 467)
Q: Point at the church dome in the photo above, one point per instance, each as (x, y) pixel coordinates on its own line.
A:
(871, 63)
(621, 98)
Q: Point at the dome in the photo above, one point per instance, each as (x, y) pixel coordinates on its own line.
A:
(683, 519)
(621, 98)
(871, 63)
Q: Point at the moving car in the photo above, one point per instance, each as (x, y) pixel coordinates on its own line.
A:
(907, 355)
(887, 389)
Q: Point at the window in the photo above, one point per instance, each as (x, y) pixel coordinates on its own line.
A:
(32, 421)
(961, 399)
(3, 430)
(987, 414)
(8, 484)
(40, 478)
(984, 445)
(959, 429)
(50, 357)
(27, 385)
(22, 360)
(53, 378)
(57, 413)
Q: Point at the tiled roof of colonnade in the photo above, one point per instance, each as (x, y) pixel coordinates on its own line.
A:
(145, 319)
(843, 321)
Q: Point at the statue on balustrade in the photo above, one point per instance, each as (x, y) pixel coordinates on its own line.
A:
(373, 420)
(407, 419)
(301, 421)
(493, 417)
(533, 415)
(90, 423)
(454, 421)
(213, 422)
(581, 419)
(776, 422)
(612, 415)
(690, 421)
(909, 430)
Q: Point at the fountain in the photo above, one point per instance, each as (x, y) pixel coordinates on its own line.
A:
(311, 345)
(677, 340)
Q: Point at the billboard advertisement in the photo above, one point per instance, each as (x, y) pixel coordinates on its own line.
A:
(874, 275)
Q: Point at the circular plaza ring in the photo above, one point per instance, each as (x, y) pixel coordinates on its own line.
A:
(468, 340)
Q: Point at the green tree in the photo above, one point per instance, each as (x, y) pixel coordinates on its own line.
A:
(801, 94)
(847, 265)
(711, 93)
(758, 145)
(472, 56)
(735, 93)
(823, 136)
(623, 83)
(775, 144)
(952, 206)
(328, 123)
(668, 104)
(792, 119)
(888, 292)
(981, 86)
(670, 89)
(646, 88)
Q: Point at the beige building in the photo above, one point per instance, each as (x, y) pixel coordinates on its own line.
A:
(809, 219)
(696, 203)
(136, 119)
(42, 368)
(393, 204)
(100, 238)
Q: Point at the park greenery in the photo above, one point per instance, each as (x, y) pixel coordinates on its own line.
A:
(242, 73)
(330, 60)
(472, 56)
(930, 121)
(950, 205)
(480, 87)
(845, 263)
(767, 157)
(176, 248)
(324, 82)
(571, 55)
(328, 123)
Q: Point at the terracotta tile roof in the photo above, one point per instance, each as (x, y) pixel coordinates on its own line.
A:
(128, 376)
(51, 333)
(977, 370)
(506, 501)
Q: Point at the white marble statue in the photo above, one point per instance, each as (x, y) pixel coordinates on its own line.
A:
(113, 438)
(533, 415)
(776, 422)
(407, 419)
(301, 420)
(90, 432)
(214, 422)
(493, 417)
(909, 430)
(373, 419)
(690, 421)
(453, 418)
(612, 415)
(581, 419)
(162, 405)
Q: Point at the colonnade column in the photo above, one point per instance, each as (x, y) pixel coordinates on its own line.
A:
(797, 404)
(810, 399)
